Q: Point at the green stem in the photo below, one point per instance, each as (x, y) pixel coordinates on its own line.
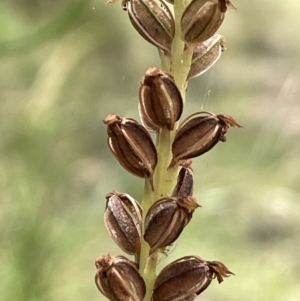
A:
(181, 57)
(146, 204)
(147, 264)
(164, 178)
(150, 276)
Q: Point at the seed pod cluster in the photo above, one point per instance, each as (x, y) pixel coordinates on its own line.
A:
(123, 219)
(118, 279)
(160, 101)
(132, 145)
(160, 108)
(186, 278)
(166, 219)
(199, 133)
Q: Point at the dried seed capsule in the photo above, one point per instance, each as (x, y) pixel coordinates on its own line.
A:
(166, 219)
(202, 18)
(186, 278)
(185, 180)
(199, 133)
(123, 220)
(206, 54)
(118, 279)
(153, 21)
(160, 101)
(132, 146)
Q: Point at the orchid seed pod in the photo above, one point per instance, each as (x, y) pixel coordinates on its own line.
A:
(153, 21)
(118, 279)
(206, 54)
(160, 101)
(185, 180)
(166, 219)
(199, 133)
(202, 18)
(186, 278)
(123, 220)
(132, 146)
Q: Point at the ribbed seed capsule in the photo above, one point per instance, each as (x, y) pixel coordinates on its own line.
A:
(199, 133)
(185, 180)
(186, 278)
(153, 21)
(202, 18)
(132, 146)
(160, 101)
(123, 220)
(166, 219)
(206, 54)
(118, 279)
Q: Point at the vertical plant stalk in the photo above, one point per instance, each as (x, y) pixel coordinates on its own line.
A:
(164, 178)
(181, 59)
(164, 182)
(168, 203)
(147, 268)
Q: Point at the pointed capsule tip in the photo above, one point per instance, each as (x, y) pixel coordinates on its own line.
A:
(231, 5)
(111, 118)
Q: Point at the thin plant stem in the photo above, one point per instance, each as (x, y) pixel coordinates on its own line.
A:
(164, 177)
(181, 57)
(146, 204)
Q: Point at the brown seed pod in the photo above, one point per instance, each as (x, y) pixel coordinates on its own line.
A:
(186, 278)
(153, 21)
(118, 279)
(132, 146)
(185, 180)
(160, 101)
(206, 54)
(166, 220)
(199, 133)
(123, 220)
(202, 18)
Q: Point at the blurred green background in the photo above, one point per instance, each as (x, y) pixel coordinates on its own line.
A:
(65, 65)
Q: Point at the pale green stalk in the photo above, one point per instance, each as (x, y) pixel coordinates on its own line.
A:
(164, 178)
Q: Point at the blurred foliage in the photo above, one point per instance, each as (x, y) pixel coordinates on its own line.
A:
(64, 65)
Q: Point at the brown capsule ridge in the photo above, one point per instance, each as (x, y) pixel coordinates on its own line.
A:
(145, 119)
(186, 278)
(166, 220)
(118, 279)
(153, 21)
(185, 180)
(123, 220)
(132, 146)
(199, 133)
(160, 100)
(206, 54)
(201, 20)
